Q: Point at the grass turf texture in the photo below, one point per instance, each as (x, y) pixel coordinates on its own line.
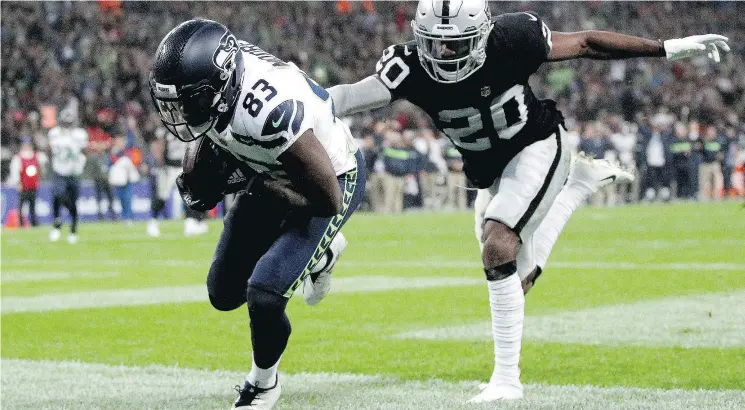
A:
(677, 250)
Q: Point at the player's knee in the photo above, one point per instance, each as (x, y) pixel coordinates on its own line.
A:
(226, 304)
(501, 244)
(223, 298)
(263, 304)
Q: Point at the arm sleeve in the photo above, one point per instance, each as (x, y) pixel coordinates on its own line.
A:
(528, 35)
(364, 95)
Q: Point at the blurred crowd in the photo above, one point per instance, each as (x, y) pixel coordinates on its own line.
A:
(680, 125)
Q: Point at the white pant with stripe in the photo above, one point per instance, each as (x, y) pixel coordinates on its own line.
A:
(522, 196)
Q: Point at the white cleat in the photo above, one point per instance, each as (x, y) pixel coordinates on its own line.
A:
(317, 285)
(54, 235)
(192, 227)
(494, 392)
(251, 397)
(597, 173)
(202, 227)
(72, 238)
(152, 228)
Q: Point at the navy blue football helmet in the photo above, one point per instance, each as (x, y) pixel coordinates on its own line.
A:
(196, 78)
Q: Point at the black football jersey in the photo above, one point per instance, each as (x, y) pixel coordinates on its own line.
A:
(493, 114)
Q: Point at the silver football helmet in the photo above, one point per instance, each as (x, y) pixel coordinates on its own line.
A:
(451, 36)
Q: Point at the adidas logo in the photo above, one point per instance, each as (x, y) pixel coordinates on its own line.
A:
(236, 177)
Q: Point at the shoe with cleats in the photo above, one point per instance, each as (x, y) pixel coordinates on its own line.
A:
(251, 397)
(317, 285)
(494, 392)
(597, 173)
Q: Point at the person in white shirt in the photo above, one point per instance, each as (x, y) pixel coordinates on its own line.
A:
(122, 175)
(624, 140)
(67, 144)
(165, 180)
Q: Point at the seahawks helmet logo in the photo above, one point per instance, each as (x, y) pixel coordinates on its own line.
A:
(225, 54)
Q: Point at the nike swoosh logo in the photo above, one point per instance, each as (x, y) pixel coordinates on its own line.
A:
(531, 17)
(406, 51)
(612, 178)
(275, 124)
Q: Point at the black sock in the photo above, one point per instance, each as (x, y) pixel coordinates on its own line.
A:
(74, 216)
(270, 326)
(56, 204)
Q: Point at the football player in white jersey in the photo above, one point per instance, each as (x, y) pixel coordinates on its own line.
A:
(166, 173)
(242, 105)
(67, 144)
(470, 73)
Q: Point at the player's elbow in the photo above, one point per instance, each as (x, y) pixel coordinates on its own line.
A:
(332, 204)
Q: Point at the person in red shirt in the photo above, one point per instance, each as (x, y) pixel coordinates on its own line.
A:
(25, 173)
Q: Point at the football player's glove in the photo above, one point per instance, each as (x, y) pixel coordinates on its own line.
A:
(209, 173)
(707, 45)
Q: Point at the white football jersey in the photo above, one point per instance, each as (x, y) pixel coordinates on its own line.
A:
(277, 104)
(67, 145)
(175, 149)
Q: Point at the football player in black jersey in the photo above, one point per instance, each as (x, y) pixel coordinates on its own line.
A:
(470, 73)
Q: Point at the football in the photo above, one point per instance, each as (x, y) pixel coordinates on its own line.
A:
(206, 171)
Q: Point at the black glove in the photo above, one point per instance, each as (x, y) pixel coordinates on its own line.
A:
(199, 201)
(209, 173)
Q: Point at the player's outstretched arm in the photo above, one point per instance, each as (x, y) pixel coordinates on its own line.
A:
(309, 168)
(604, 45)
(364, 95)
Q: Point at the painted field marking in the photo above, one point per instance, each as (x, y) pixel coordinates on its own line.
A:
(198, 293)
(16, 276)
(445, 264)
(710, 320)
(83, 385)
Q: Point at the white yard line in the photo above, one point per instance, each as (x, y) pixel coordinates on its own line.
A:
(422, 263)
(198, 293)
(51, 385)
(13, 276)
(712, 320)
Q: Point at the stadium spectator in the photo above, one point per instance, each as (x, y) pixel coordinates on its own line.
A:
(99, 146)
(623, 139)
(654, 153)
(152, 167)
(433, 167)
(710, 170)
(123, 173)
(397, 160)
(595, 143)
(694, 135)
(681, 155)
(731, 154)
(369, 145)
(25, 172)
(456, 179)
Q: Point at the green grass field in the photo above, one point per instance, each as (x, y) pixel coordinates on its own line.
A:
(639, 307)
